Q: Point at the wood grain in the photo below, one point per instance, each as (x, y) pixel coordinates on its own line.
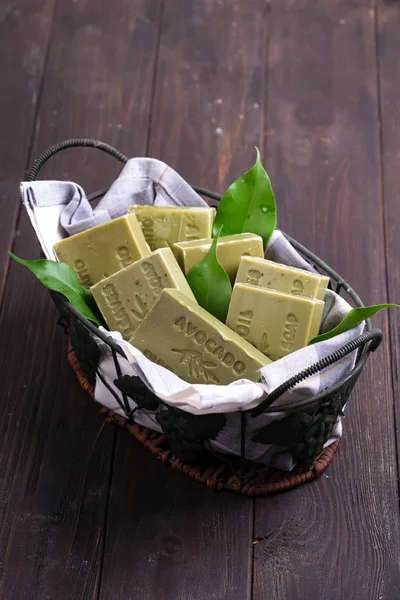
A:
(388, 45)
(208, 106)
(167, 536)
(198, 83)
(337, 538)
(24, 39)
(170, 537)
(100, 73)
(55, 470)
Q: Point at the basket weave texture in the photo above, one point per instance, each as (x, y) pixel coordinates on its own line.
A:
(214, 474)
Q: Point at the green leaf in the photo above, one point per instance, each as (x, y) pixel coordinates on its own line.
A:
(210, 283)
(353, 318)
(249, 205)
(60, 277)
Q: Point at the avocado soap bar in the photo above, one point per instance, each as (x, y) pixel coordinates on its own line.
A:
(103, 250)
(274, 322)
(164, 225)
(183, 337)
(126, 297)
(230, 250)
(269, 274)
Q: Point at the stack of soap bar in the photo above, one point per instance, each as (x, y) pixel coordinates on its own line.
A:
(127, 296)
(269, 274)
(103, 250)
(164, 225)
(230, 250)
(274, 322)
(183, 337)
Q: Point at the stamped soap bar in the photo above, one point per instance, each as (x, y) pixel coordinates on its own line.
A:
(183, 337)
(275, 322)
(266, 273)
(103, 250)
(230, 250)
(164, 225)
(126, 297)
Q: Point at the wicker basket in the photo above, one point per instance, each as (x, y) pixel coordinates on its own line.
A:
(219, 471)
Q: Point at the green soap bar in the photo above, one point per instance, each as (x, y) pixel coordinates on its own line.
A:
(164, 225)
(127, 296)
(103, 250)
(274, 322)
(183, 337)
(230, 250)
(266, 273)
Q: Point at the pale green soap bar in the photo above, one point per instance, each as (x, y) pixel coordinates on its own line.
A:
(266, 273)
(230, 250)
(164, 225)
(183, 337)
(103, 250)
(274, 322)
(127, 296)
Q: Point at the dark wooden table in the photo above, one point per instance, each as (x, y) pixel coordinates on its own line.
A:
(199, 83)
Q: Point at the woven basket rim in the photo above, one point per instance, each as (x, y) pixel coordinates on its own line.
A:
(215, 476)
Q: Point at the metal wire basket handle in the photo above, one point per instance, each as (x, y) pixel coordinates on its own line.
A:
(78, 142)
(88, 143)
(371, 338)
(368, 341)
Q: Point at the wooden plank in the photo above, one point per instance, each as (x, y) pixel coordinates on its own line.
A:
(55, 471)
(208, 106)
(170, 537)
(389, 80)
(107, 51)
(184, 542)
(338, 537)
(24, 37)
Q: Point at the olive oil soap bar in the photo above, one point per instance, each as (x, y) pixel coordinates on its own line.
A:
(127, 296)
(230, 250)
(275, 322)
(164, 225)
(183, 337)
(103, 250)
(269, 274)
